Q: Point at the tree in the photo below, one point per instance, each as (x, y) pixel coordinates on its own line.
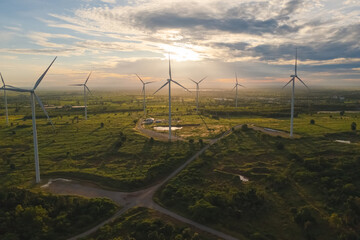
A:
(312, 121)
(353, 126)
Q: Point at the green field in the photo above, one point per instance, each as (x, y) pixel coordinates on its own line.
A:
(296, 188)
(146, 224)
(303, 188)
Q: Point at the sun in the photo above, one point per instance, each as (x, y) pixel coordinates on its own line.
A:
(181, 52)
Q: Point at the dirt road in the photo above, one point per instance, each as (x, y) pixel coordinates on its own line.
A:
(131, 199)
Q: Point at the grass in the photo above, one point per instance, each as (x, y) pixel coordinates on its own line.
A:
(287, 182)
(298, 189)
(143, 223)
(114, 155)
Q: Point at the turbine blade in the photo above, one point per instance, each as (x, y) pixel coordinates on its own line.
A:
(161, 88)
(169, 67)
(180, 85)
(193, 81)
(88, 78)
(288, 83)
(149, 82)
(140, 78)
(233, 88)
(202, 79)
(12, 88)
(240, 85)
(43, 75)
(303, 83)
(143, 89)
(88, 90)
(2, 79)
(76, 84)
(43, 108)
(236, 78)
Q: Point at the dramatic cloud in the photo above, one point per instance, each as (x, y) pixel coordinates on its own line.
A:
(248, 34)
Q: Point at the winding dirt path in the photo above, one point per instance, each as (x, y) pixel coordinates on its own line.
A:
(128, 200)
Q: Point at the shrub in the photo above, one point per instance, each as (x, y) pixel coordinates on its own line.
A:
(312, 121)
(353, 126)
(244, 127)
(102, 125)
(279, 146)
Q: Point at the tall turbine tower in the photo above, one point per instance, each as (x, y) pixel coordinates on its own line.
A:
(169, 82)
(197, 92)
(85, 88)
(236, 87)
(293, 77)
(5, 101)
(34, 97)
(143, 92)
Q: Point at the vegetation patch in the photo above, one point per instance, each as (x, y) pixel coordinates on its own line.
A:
(146, 224)
(28, 215)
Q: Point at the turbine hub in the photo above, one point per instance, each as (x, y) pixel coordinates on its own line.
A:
(292, 75)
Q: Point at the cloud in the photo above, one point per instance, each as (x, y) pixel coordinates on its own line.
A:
(258, 34)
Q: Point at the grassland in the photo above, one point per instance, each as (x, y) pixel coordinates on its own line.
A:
(297, 189)
(146, 224)
(305, 188)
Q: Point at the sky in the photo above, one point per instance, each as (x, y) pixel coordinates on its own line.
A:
(256, 39)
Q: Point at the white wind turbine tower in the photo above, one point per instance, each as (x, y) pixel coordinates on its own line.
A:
(197, 92)
(5, 101)
(85, 88)
(143, 92)
(293, 77)
(169, 82)
(236, 87)
(34, 97)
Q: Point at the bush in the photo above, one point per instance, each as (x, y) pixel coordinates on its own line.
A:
(279, 146)
(204, 211)
(244, 127)
(101, 125)
(353, 126)
(312, 121)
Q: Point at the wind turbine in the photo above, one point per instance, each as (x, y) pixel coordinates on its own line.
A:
(236, 87)
(85, 88)
(34, 97)
(5, 101)
(293, 77)
(143, 91)
(197, 92)
(169, 82)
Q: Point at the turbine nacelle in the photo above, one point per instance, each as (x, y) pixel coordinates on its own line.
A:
(293, 76)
